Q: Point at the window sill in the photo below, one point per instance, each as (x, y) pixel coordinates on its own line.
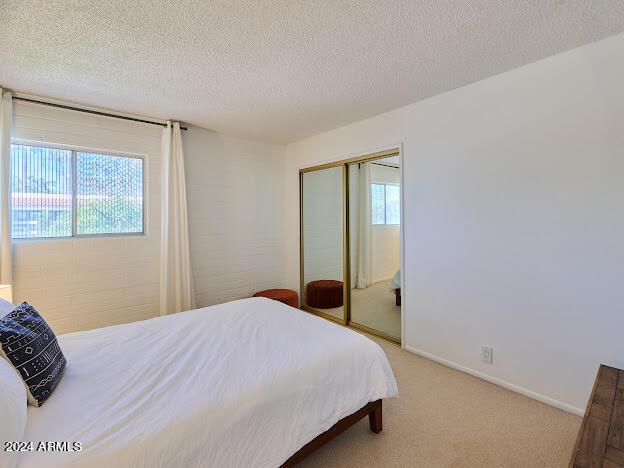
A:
(84, 237)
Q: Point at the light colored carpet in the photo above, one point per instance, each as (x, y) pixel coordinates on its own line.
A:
(445, 418)
(375, 307)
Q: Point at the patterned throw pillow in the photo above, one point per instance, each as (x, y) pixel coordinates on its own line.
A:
(29, 344)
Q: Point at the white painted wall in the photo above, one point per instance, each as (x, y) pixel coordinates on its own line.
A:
(236, 192)
(385, 239)
(513, 219)
(79, 284)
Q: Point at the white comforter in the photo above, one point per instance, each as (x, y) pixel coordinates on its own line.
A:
(242, 384)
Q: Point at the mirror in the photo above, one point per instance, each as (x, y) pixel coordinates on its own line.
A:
(375, 246)
(322, 253)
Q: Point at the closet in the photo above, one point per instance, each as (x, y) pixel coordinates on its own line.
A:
(350, 242)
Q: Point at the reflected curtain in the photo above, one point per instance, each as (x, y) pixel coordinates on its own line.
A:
(176, 280)
(365, 231)
(6, 122)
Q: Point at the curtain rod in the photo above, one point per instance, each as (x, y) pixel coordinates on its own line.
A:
(385, 165)
(89, 111)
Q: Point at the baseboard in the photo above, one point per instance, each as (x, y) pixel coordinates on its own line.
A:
(501, 383)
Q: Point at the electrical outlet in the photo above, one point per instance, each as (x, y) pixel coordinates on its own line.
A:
(486, 354)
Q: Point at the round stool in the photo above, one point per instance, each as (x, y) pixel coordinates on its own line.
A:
(286, 296)
(324, 294)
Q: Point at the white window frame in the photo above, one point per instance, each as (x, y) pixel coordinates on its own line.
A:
(82, 149)
(385, 223)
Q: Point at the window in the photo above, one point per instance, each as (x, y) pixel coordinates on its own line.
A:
(386, 204)
(64, 193)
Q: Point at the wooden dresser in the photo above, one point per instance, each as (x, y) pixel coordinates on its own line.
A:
(600, 442)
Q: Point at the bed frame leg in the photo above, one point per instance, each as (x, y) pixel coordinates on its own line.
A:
(375, 418)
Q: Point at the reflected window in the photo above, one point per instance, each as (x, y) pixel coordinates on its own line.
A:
(385, 204)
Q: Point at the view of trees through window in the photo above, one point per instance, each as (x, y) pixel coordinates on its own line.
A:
(62, 193)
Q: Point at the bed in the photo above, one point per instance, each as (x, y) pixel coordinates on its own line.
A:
(250, 383)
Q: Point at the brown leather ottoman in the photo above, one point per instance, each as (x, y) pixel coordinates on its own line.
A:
(324, 294)
(287, 296)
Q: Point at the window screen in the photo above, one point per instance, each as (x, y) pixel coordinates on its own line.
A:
(393, 204)
(385, 204)
(109, 194)
(63, 193)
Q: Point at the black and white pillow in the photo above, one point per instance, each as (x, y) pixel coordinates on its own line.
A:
(29, 344)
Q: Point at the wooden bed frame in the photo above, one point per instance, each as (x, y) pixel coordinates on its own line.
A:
(372, 410)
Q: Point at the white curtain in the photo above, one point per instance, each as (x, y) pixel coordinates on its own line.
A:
(176, 280)
(6, 119)
(365, 230)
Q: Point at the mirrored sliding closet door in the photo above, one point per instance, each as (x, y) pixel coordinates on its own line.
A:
(375, 246)
(351, 242)
(322, 242)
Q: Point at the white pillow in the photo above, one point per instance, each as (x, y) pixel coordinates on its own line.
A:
(13, 405)
(6, 308)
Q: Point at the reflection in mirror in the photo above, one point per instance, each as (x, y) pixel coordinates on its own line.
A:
(322, 231)
(375, 233)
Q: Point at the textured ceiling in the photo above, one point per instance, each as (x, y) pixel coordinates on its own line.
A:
(279, 70)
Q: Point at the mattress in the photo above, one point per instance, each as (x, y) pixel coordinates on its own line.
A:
(241, 384)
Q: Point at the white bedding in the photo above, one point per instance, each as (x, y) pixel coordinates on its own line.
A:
(242, 384)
